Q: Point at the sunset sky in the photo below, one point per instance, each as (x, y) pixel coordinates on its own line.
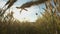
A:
(29, 15)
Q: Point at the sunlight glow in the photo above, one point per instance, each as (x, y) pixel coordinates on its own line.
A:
(25, 15)
(29, 15)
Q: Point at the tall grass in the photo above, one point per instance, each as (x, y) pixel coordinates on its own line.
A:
(49, 23)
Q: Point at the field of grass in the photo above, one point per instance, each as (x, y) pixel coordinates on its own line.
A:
(49, 23)
(41, 26)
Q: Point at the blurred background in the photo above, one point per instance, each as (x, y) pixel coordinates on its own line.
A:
(29, 16)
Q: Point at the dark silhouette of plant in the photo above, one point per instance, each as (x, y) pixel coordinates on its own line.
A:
(29, 4)
(41, 26)
(9, 3)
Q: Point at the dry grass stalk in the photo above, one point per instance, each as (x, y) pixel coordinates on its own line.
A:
(31, 3)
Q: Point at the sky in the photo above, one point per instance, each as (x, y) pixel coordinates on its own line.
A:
(29, 15)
